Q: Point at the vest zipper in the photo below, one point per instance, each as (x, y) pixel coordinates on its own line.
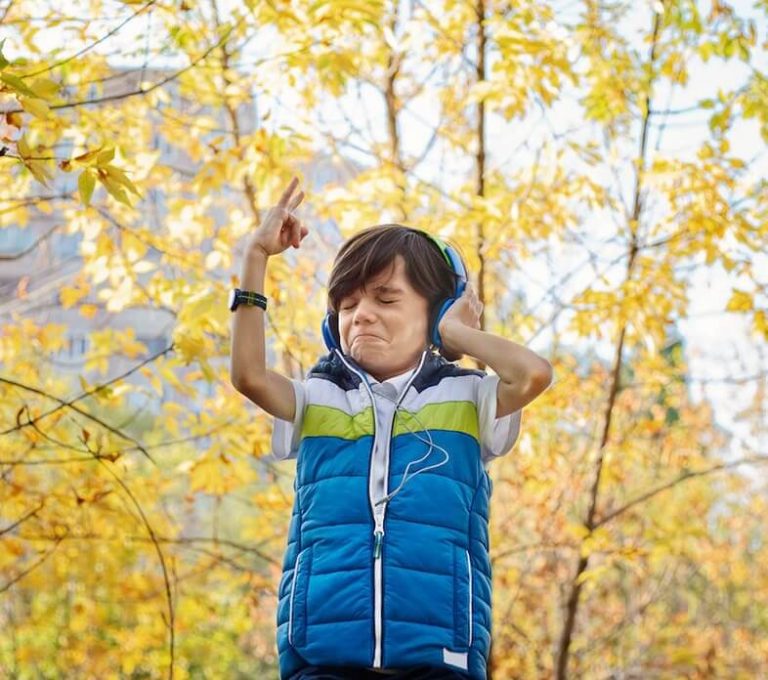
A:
(378, 531)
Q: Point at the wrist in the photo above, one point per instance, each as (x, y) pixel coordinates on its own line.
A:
(253, 270)
(256, 252)
(450, 334)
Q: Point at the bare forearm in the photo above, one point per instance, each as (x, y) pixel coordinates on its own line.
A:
(247, 358)
(512, 362)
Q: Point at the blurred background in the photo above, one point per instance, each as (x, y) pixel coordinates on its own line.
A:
(602, 165)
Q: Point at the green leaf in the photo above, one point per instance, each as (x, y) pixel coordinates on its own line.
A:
(3, 61)
(105, 156)
(85, 184)
(17, 84)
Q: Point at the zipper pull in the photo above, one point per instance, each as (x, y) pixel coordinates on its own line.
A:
(378, 533)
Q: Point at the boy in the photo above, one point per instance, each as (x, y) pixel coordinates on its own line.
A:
(386, 573)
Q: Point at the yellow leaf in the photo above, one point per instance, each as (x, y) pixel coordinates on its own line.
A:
(40, 170)
(87, 158)
(105, 156)
(37, 107)
(680, 655)
(594, 573)
(120, 177)
(114, 190)
(157, 384)
(99, 363)
(740, 301)
(23, 147)
(69, 295)
(219, 475)
(44, 88)
(761, 323)
(576, 529)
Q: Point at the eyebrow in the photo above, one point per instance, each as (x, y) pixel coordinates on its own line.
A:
(388, 289)
(383, 288)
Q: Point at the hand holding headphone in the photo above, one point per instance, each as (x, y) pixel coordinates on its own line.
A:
(466, 312)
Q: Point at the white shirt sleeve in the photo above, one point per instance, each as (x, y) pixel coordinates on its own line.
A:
(497, 435)
(286, 434)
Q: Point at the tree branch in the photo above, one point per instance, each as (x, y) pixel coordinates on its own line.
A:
(71, 402)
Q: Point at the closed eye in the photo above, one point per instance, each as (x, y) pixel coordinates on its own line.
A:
(385, 302)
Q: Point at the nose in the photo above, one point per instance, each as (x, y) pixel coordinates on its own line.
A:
(364, 312)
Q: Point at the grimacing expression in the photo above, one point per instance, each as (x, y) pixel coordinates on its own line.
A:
(383, 327)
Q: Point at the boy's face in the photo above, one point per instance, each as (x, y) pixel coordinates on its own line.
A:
(384, 327)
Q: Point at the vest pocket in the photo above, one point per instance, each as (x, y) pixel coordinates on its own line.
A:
(297, 610)
(462, 598)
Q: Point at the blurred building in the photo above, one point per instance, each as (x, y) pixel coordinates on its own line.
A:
(39, 258)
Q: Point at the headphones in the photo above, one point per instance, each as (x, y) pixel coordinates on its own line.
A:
(452, 257)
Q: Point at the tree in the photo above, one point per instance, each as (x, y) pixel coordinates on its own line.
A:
(142, 523)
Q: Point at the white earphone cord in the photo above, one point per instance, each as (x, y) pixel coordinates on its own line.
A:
(432, 445)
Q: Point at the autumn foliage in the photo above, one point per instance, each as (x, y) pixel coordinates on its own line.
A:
(590, 160)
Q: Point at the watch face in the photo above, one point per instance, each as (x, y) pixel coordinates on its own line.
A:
(231, 301)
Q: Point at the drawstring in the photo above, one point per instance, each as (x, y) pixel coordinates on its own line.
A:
(432, 445)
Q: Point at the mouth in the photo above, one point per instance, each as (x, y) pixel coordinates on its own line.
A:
(366, 335)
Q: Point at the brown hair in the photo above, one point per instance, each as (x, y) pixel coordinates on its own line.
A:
(373, 250)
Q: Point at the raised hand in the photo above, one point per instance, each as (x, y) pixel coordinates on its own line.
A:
(464, 312)
(280, 227)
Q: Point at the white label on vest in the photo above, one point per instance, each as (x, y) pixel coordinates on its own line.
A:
(455, 658)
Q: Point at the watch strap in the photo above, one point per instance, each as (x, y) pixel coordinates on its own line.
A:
(250, 297)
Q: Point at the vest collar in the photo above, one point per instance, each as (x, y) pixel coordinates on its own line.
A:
(339, 368)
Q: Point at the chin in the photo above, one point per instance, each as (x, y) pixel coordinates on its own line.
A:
(366, 357)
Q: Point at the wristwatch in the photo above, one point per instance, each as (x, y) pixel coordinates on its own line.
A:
(246, 297)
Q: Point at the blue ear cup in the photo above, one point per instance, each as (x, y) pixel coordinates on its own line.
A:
(330, 322)
(329, 337)
(454, 260)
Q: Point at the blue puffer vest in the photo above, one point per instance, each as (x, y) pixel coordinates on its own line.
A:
(398, 584)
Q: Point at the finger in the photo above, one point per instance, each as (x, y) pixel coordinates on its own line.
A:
(287, 193)
(289, 225)
(297, 234)
(295, 202)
